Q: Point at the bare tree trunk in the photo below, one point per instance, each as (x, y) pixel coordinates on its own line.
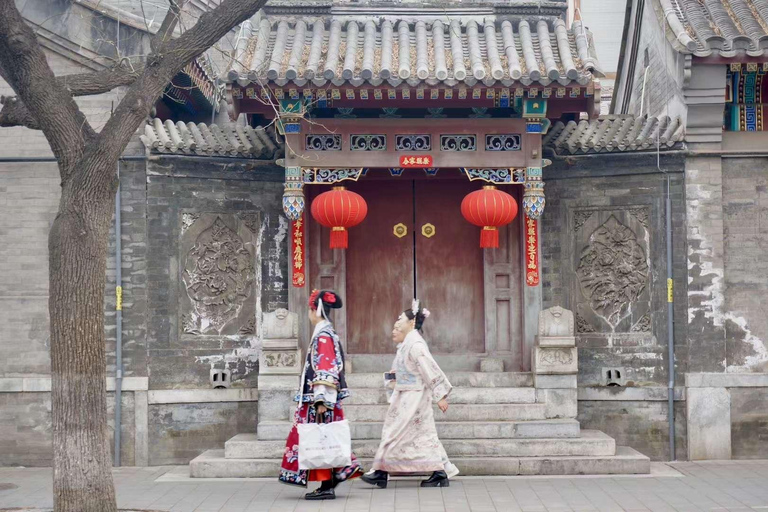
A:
(78, 242)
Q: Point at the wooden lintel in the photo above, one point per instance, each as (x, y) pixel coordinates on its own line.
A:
(298, 154)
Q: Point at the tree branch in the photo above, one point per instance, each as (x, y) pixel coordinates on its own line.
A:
(26, 69)
(165, 32)
(14, 113)
(164, 63)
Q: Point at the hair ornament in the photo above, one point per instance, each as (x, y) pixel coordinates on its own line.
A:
(425, 312)
(313, 299)
(415, 306)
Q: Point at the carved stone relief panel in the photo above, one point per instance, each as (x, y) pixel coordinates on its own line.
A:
(218, 271)
(611, 269)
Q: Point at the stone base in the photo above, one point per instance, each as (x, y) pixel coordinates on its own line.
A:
(491, 365)
(555, 341)
(555, 361)
(626, 461)
(280, 361)
(555, 381)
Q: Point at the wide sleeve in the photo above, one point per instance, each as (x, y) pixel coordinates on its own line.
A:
(433, 377)
(327, 364)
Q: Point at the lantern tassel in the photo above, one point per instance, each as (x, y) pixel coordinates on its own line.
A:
(339, 238)
(489, 237)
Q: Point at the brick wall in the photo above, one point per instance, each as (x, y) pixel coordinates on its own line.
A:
(625, 195)
(745, 226)
(582, 196)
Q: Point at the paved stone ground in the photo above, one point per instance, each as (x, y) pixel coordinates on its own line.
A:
(705, 486)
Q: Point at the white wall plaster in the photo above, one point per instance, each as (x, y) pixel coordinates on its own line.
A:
(758, 345)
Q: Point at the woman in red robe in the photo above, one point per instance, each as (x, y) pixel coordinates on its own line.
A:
(322, 391)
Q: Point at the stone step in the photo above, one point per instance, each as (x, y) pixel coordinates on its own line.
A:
(457, 412)
(559, 428)
(626, 461)
(371, 396)
(457, 379)
(372, 363)
(590, 443)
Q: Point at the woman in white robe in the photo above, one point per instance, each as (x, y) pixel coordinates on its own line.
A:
(409, 441)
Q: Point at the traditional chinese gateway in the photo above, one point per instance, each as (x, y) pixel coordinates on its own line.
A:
(410, 140)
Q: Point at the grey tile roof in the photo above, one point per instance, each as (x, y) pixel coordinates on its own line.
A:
(728, 28)
(613, 134)
(231, 140)
(415, 49)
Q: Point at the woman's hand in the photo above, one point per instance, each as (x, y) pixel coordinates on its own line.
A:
(443, 405)
(322, 409)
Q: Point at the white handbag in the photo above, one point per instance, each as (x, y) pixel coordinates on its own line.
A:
(323, 445)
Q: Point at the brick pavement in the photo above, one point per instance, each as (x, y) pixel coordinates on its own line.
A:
(683, 487)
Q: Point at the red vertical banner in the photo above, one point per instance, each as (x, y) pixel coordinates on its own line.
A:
(532, 273)
(297, 253)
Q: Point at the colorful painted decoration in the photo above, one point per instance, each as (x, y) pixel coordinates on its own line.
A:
(297, 252)
(489, 208)
(533, 197)
(532, 275)
(293, 203)
(339, 209)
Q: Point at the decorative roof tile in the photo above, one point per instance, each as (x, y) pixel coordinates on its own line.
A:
(231, 140)
(613, 134)
(437, 48)
(728, 28)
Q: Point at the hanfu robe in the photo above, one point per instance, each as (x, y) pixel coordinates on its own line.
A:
(324, 382)
(409, 441)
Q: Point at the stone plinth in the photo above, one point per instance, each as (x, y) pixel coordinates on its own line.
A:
(280, 352)
(555, 360)
(555, 363)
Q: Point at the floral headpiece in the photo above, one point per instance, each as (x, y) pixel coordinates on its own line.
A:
(416, 308)
(316, 302)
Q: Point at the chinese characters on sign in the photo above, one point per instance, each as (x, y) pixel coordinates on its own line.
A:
(531, 253)
(415, 161)
(297, 251)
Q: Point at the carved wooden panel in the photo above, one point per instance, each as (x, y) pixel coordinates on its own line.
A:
(503, 297)
(219, 276)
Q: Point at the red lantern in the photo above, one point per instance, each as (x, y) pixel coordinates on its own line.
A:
(489, 208)
(339, 209)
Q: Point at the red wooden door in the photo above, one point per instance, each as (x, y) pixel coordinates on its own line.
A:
(379, 266)
(449, 268)
(380, 271)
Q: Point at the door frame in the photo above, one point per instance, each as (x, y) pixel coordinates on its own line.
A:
(507, 270)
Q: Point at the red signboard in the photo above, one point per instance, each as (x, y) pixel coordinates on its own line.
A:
(415, 161)
(531, 253)
(297, 251)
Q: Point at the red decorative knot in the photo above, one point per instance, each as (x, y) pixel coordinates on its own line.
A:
(489, 208)
(339, 209)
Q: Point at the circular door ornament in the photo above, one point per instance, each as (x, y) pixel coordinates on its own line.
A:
(428, 230)
(400, 230)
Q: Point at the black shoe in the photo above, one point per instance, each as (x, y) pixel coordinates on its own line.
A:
(438, 479)
(378, 478)
(321, 494)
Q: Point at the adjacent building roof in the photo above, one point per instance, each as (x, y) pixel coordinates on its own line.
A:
(421, 47)
(613, 134)
(728, 28)
(231, 140)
